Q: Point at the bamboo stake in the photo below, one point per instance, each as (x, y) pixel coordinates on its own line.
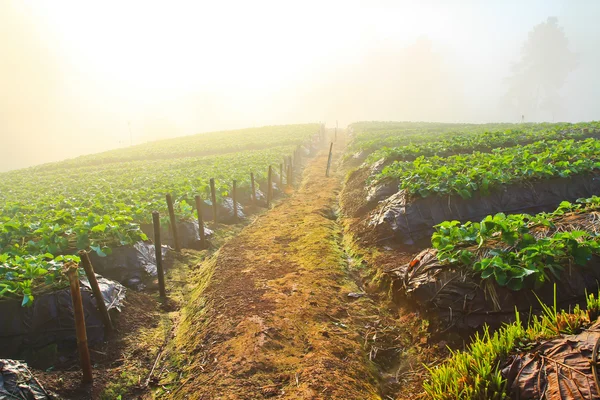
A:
(89, 272)
(173, 222)
(253, 189)
(234, 198)
(281, 176)
(158, 253)
(82, 345)
(213, 198)
(200, 222)
(269, 187)
(329, 160)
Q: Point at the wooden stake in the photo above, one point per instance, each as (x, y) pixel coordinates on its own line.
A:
(200, 222)
(253, 189)
(213, 198)
(173, 222)
(329, 160)
(158, 253)
(82, 345)
(289, 175)
(89, 272)
(234, 198)
(281, 176)
(269, 187)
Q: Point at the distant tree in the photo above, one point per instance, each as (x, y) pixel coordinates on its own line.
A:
(537, 78)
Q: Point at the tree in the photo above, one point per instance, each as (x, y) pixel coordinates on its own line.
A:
(546, 61)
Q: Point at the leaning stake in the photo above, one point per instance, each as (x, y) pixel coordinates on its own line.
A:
(213, 198)
(89, 272)
(173, 222)
(200, 222)
(82, 346)
(158, 254)
(329, 160)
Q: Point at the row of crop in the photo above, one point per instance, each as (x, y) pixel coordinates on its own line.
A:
(103, 206)
(376, 136)
(198, 145)
(517, 248)
(482, 142)
(20, 276)
(466, 174)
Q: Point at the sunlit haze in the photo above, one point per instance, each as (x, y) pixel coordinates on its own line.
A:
(79, 77)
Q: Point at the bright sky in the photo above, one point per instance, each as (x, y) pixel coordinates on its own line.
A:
(74, 73)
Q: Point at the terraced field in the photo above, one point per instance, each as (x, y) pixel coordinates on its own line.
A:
(477, 226)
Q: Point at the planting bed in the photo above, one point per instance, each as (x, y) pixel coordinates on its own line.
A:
(38, 332)
(411, 220)
(476, 226)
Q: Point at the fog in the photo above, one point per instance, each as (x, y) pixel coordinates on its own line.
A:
(79, 77)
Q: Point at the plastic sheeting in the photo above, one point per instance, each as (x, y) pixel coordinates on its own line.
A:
(50, 318)
(562, 368)
(188, 232)
(17, 382)
(130, 265)
(411, 220)
(458, 298)
(226, 214)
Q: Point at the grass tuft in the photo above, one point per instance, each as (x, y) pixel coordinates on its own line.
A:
(475, 373)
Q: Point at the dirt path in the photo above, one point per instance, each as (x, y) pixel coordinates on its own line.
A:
(272, 317)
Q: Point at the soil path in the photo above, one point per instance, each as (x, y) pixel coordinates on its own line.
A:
(274, 318)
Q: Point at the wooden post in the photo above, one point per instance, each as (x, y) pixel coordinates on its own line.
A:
(234, 198)
(173, 222)
(158, 253)
(82, 346)
(213, 198)
(89, 272)
(329, 160)
(269, 187)
(253, 189)
(289, 175)
(335, 134)
(200, 222)
(281, 176)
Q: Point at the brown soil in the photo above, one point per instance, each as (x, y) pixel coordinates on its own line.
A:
(140, 311)
(268, 315)
(271, 316)
(273, 319)
(122, 365)
(354, 193)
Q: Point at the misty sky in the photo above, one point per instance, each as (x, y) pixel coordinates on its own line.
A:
(74, 73)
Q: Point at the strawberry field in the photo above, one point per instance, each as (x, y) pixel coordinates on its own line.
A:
(495, 224)
(98, 202)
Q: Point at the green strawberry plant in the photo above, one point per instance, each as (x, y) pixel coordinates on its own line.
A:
(515, 256)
